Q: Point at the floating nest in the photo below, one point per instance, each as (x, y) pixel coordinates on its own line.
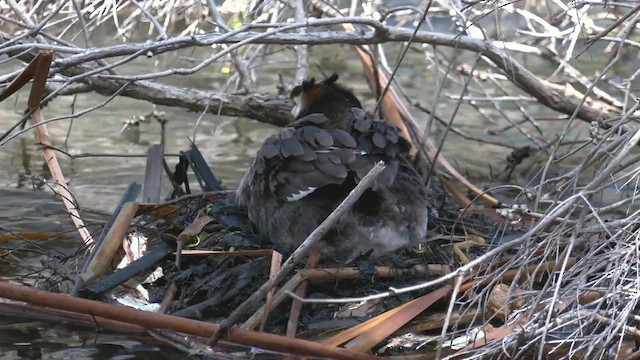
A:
(503, 284)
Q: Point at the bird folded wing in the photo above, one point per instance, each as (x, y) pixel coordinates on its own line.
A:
(377, 141)
(304, 157)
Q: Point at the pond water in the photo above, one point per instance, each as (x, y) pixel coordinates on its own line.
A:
(228, 144)
(51, 342)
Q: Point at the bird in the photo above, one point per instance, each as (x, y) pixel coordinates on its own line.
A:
(301, 174)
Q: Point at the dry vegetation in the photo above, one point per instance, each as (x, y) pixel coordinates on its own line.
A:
(549, 271)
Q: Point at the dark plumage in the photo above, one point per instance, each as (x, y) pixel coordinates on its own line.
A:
(300, 175)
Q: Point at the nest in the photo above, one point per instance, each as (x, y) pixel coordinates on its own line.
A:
(550, 272)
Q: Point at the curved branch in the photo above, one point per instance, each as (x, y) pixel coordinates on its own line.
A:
(542, 90)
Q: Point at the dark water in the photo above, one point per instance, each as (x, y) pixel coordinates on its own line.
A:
(62, 342)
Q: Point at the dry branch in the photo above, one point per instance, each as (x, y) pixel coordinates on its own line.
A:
(103, 257)
(161, 321)
(495, 51)
(38, 69)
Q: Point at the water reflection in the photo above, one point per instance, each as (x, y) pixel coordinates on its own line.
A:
(46, 341)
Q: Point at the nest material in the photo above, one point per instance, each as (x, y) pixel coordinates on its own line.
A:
(558, 277)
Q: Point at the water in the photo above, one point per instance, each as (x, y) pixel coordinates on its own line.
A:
(51, 342)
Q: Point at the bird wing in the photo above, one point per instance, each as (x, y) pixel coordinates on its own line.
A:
(304, 156)
(376, 141)
(309, 154)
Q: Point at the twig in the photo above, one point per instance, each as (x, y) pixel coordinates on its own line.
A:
(92, 155)
(301, 290)
(161, 31)
(241, 68)
(38, 69)
(614, 25)
(302, 49)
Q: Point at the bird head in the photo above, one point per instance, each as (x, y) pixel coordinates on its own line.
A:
(327, 97)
